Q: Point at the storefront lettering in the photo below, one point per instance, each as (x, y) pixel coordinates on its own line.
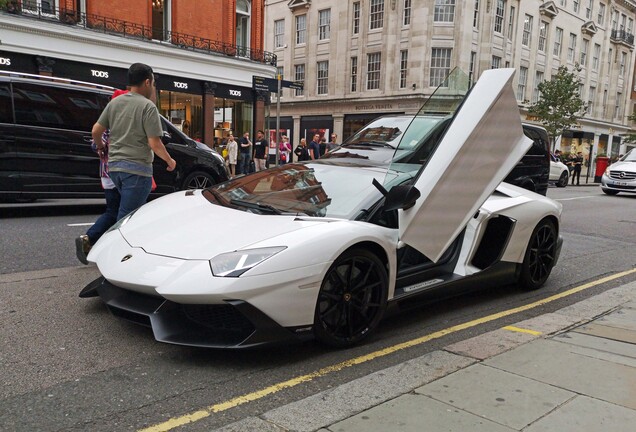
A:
(235, 93)
(180, 85)
(4, 61)
(374, 107)
(99, 74)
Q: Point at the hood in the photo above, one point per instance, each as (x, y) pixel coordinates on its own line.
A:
(188, 226)
(623, 166)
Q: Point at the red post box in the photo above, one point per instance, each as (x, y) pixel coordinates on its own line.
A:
(601, 165)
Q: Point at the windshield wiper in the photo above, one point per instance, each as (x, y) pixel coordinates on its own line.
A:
(256, 206)
(371, 143)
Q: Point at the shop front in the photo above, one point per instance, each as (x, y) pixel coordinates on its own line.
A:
(180, 100)
(233, 112)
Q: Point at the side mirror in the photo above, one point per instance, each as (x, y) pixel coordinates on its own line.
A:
(401, 197)
(166, 137)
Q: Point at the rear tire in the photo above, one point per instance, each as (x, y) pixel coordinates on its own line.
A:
(352, 299)
(540, 256)
(610, 192)
(563, 180)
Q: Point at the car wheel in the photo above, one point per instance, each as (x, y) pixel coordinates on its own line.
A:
(610, 192)
(540, 255)
(563, 180)
(352, 299)
(198, 180)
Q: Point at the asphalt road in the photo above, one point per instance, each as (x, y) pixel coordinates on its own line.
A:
(66, 364)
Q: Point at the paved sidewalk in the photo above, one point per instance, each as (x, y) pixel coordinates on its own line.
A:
(571, 370)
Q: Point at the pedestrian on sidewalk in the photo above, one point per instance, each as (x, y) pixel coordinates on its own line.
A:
(576, 171)
(285, 150)
(314, 147)
(245, 147)
(302, 152)
(134, 139)
(85, 242)
(261, 151)
(232, 154)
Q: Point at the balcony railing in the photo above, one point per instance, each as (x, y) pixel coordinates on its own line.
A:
(133, 30)
(623, 36)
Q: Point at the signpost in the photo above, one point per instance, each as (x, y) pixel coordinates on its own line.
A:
(274, 85)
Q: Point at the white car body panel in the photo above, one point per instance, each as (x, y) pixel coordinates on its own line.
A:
(556, 169)
(489, 119)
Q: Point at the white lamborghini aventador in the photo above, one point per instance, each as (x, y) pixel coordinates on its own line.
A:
(322, 248)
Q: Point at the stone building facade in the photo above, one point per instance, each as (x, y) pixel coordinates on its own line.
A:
(361, 59)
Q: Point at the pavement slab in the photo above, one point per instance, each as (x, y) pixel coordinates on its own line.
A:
(584, 414)
(489, 344)
(351, 398)
(608, 332)
(622, 318)
(251, 424)
(415, 413)
(497, 395)
(601, 345)
(558, 364)
(548, 323)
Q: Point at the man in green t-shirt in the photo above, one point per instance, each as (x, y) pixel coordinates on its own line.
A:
(135, 136)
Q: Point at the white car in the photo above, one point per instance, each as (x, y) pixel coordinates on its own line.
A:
(559, 173)
(322, 248)
(621, 175)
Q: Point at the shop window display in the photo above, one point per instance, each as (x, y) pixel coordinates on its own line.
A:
(184, 110)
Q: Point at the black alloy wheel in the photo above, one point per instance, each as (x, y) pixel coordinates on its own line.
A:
(352, 299)
(540, 256)
(563, 180)
(198, 180)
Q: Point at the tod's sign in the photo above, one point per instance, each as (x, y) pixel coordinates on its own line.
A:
(5, 61)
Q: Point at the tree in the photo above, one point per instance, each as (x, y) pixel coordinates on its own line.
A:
(560, 105)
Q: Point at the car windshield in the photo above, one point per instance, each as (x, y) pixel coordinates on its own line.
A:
(629, 157)
(322, 189)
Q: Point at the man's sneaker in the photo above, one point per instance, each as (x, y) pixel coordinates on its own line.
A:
(82, 246)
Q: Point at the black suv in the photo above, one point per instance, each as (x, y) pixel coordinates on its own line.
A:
(45, 135)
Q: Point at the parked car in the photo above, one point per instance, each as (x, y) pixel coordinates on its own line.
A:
(559, 172)
(45, 135)
(621, 175)
(322, 248)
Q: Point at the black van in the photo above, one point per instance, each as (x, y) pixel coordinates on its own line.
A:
(45, 135)
(533, 170)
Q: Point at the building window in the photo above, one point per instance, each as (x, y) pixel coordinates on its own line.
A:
(301, 29)
(404, 59)
(374, 63)
(476, 15)
(623, 62)
(558, 42)
(575, 5)
(406, 18)
(440, 66)
(354, 74)
(543, 33)
(471, 68)
(610, 57)
(299, 76)
(496, 62)
(376, 17)
(279, 33)
(499, 16)
(583, 55)
(595, 57)
(527, 30)
(572, 47)
(322, 77)
(521, 87)
(604, 103)
(243, 22)
(324, 24)
(590, 101)
(601, 14)
(617, 107)
(356, 17)
(538, 79)
(511, 22)
(444, 11)
(588, 9)
(44, 7)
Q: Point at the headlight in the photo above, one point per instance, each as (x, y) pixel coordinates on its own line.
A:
(121, 222)
(234, 264)
(607, 171)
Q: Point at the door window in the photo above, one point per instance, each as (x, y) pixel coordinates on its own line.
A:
(6, 113)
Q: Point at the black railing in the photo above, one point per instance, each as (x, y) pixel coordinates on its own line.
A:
(623, 36)
(133, 30)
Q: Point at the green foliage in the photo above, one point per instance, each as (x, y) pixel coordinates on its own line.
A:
(560, 105)
(630, 137)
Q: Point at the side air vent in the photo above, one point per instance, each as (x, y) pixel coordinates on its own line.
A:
(493, 242)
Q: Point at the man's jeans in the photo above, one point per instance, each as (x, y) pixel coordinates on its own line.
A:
(134, 190)
(109, 217)
(244, 163)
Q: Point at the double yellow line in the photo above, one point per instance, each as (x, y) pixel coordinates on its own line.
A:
(240, 400)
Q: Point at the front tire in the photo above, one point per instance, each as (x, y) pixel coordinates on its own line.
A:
(563, 180)
(198, 180)
(540, 256)
(352, 299)
(610, 192)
